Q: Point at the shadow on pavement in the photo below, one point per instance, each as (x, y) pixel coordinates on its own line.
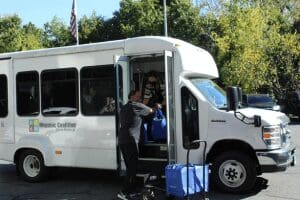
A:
(82, 174)
(111, 178)
(261, 184)
(79, 183)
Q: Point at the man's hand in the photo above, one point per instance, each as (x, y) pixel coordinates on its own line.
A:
(158, 106)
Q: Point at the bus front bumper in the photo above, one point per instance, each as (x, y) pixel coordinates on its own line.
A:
(277, 160)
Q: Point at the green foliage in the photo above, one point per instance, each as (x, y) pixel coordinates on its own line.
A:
(282, 49)
(14, 37)
(10, 34)
(256, 43)
(91, 29)
(184, 21)
(32, 37)
(112, 28)
(240, 43)
(257, 47)
(57, 34)
(138, 18)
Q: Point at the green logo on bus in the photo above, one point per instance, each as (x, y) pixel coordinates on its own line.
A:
(34, 125)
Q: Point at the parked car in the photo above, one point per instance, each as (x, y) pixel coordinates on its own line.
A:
(291, 105)
(263, 101)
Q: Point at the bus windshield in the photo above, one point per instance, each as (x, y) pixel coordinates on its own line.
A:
(213, 93)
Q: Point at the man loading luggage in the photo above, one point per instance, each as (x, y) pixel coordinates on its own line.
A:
(130, 119)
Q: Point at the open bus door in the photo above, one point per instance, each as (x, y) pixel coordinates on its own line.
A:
(156, 153)
(122, 73)
(170, 106)
(123, 86)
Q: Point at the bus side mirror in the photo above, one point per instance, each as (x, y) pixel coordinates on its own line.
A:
(257, 121)
(234, 98)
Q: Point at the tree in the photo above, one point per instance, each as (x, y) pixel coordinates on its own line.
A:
(14, 37)
(138, 18)
(145, 17)
(10, 34)
(184, 21)
(112, 28)
(240, 47)
(283, 47)
(57, 34)
(91, 29)
(256, 45)
(32, 37)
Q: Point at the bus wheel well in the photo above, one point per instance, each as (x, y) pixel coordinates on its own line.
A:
(229, 145)
(19, 151)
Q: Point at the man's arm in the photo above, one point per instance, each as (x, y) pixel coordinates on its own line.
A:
(142, 110)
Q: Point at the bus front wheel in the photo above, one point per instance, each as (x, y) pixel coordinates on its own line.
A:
(31, 166)
(234, 172)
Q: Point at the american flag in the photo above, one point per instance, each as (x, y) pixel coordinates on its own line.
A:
(73, 22)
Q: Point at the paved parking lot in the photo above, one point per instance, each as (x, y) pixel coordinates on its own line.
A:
(84, 184)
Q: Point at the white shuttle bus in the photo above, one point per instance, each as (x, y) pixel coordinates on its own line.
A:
(57, 108)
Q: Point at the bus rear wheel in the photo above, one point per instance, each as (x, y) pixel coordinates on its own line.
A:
(31, 166)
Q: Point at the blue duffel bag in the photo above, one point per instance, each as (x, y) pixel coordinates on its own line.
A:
(176, 179)
(159, 126)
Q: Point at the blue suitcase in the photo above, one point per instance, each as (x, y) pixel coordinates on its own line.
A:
(201, 183)
(176, 179)
(179, 183)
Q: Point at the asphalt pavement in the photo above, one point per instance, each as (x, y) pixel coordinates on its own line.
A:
(87, 184)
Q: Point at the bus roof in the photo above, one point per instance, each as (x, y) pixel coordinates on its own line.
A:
(145, 43)
(195, 61)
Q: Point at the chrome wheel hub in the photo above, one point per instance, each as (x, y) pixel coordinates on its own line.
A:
(31, 165)
(232, 173)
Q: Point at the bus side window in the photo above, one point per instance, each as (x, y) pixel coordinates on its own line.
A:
(3, 96)
(27, 93)
(97, 90)
(60, 92)
(190, 119)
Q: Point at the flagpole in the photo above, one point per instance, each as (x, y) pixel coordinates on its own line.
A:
(165, 19)
(77, 37)
(73, 23)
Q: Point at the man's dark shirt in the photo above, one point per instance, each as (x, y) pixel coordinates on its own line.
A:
(130, 118)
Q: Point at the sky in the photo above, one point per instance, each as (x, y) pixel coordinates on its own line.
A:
(40, 12)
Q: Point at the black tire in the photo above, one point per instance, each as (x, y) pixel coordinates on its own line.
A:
(234, 172)
(31, 166)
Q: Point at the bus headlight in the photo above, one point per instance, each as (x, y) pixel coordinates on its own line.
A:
(272, 136)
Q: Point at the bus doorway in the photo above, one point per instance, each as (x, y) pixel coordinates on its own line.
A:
(153, 75)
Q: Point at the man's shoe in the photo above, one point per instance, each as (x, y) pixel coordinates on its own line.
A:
(122, 196)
